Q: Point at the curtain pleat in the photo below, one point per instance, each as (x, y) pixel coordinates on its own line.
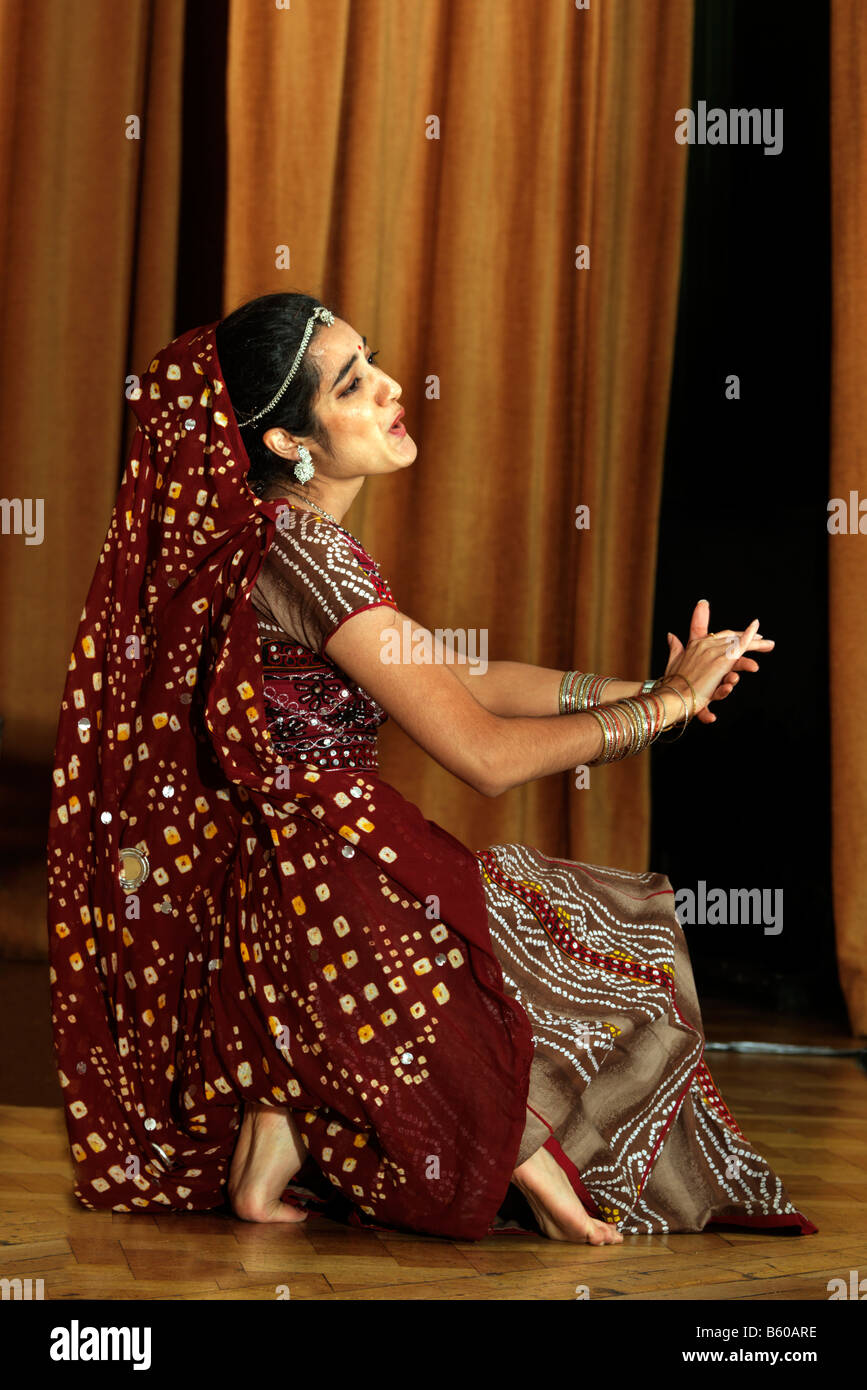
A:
(87, 245)
(88, 248)
(847, 553)
(432, 167)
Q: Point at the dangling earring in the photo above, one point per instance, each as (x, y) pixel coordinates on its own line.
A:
(304, 469)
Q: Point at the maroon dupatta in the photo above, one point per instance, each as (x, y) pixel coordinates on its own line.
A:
(243, 966)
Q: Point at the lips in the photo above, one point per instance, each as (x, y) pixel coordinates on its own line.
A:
(397, 419)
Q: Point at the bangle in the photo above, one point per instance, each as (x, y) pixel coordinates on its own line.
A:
(664, 685)
(692, 689)
(629, 725)
(580, 691)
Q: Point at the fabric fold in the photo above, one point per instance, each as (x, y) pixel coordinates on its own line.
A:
(219, 918)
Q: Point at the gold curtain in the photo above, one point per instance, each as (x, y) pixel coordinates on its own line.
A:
(87, 244)
(847, 554)
(432, 168)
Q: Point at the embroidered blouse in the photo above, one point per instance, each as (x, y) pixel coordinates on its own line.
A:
(313, 577)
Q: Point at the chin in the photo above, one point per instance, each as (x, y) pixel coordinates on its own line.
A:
(410, 450)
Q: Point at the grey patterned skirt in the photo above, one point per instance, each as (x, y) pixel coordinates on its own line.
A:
(619, 1090)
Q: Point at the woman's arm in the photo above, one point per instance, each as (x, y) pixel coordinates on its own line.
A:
(513, 687)
(489, 752)
(510, 688)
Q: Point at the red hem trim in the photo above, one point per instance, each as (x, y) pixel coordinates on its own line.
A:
(380, 603)
(585, 869)
(550, 1128)
(804, 1227)
(574, 1177)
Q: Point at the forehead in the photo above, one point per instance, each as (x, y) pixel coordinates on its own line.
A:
(333, 343)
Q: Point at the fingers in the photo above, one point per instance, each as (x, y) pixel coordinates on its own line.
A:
(747, 638)
(700, 619)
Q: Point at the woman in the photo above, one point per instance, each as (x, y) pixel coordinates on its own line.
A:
(245, 915)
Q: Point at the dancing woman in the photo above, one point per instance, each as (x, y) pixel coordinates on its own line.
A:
(262, 955)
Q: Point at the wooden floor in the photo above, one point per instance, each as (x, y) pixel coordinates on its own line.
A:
(807, 1116)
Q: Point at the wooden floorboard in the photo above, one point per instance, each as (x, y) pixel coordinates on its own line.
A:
(807, 1116)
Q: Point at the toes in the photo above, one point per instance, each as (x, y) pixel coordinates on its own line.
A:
(251, 1209)
(600, 1233)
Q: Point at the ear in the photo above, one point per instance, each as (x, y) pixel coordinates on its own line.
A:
(279, 442)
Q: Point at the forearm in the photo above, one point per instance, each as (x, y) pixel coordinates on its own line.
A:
(522, 748)
(513, 688)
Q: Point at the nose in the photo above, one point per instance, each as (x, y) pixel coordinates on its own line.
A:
(392, 388)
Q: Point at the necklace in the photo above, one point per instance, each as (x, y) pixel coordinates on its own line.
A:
(321, 510)
(329, 517)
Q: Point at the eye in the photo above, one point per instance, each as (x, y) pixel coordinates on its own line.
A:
(372, 354)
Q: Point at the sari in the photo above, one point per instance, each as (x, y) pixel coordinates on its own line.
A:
(619, 1092)
(242, 910)
(194, 879)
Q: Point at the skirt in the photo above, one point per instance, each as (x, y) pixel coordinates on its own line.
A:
(619, 1090)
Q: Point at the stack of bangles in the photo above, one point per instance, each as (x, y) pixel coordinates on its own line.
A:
(629, 725)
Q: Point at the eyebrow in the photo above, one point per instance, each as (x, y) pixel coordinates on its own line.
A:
(345, 368)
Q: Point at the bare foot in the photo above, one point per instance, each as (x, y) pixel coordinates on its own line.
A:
(555, 1203)
(268, 1154)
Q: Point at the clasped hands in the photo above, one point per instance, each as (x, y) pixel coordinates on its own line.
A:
(699, 628)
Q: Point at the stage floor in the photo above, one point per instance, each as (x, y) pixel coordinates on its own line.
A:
(806, 1115)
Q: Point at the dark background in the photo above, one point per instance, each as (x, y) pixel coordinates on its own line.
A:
(744, 509)
(745, 803)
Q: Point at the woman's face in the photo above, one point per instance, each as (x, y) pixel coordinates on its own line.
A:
(357, 404)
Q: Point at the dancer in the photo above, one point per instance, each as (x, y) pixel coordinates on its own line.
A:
(261, 952)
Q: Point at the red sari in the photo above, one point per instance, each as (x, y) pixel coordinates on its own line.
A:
(412, 1082)
(304, 937)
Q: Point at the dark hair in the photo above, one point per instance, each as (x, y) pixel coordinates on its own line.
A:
(256, 345)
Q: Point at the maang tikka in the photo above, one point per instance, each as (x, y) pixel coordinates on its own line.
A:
(303, 469)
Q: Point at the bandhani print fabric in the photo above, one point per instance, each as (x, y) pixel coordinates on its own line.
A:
(241, 909)
(226, 926)
(619, 1091)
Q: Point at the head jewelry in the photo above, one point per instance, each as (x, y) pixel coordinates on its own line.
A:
(318, 313)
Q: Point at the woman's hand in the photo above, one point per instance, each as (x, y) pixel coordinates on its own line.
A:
(716, 660)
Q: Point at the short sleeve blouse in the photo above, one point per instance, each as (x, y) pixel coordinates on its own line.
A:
(313, 577)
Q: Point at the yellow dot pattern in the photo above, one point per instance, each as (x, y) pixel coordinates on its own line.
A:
(225, 928)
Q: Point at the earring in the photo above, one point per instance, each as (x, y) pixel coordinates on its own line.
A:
(304, 469)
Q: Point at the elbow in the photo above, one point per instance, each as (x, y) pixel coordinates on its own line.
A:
(490, 779)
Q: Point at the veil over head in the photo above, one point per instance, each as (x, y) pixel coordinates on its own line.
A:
(199, 886)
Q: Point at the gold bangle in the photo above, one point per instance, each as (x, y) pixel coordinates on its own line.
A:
(600, 719)
(691, 686)
(665, 685)
(694, 696)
